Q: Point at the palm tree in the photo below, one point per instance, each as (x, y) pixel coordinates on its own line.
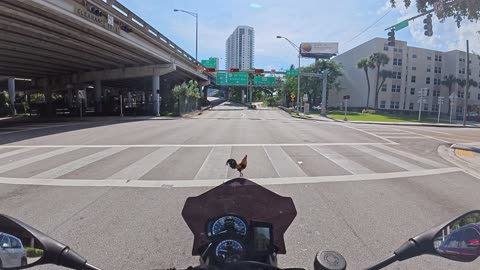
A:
(379, 60)
(365, 64)
(449, 81)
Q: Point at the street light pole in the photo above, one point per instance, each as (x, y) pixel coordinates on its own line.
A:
(465, 91)
(196, 29)
(297, 48)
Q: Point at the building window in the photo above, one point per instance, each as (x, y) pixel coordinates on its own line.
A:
(468, 95)
(437, 70)
(414, 79)
(395, 88)
(429, 58)
(434, 107)
(461, 59)
(397, 61)
(394, 105)
(436, 57)
(459, 109)
(436, 93)
(429, 69)
(382, 104)
(460, 94)
(437, 81)
(400, 50)
(412, 91)
(461, 71)
(427, 81)
(397, 75)
(439, 58)
(425, 107)
(414, 68)
(478, 97)
(410, 107)
(395, 49)
(385, 48)
(384, 88)
(414, 56)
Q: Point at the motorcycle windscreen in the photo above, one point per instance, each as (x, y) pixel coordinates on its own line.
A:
(243, 198)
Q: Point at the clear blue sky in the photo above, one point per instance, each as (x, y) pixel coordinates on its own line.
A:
(300, 21)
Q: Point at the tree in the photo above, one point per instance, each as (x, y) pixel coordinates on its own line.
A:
(365, 64)
(458, 9)
(379, 60)
(449, 81)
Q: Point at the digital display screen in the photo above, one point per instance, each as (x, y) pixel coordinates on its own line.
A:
(261, 239)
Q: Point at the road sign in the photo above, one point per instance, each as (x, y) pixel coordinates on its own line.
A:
(210, 63)
(305, 98)
(236, 78)
(421, 100)
(259, 80)
(82, 94)
(199, 68)
(346, 97)
(401, 25)
(452, 96)
(423, 92)
(292, 72)
(440, 100)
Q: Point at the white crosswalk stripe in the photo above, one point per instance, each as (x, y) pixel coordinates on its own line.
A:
(342, 161)
(30, 160)
(212, 167)
(144, 165)
(411, 156)
(283, 163)
(15, 152)
(77, 164)
(391, 159)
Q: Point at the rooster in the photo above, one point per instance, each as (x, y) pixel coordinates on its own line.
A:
(239, 166)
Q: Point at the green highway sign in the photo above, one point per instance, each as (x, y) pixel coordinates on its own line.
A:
(401, 25)
(221, 78)
(232, 78)
(292, 72)
(210, 63)
(259, 80)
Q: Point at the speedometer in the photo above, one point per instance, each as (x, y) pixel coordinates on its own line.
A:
(229, 251)
(229, 224)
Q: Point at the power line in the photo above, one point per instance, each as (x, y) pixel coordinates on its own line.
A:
(366, 29)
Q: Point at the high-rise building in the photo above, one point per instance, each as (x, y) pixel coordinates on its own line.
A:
(413, 69)
(239, 51)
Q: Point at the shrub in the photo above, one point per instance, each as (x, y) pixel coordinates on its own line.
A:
(34, 252)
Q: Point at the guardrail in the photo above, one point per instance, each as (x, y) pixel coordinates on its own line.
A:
(134, 21)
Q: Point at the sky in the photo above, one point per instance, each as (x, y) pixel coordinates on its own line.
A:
(305, 21)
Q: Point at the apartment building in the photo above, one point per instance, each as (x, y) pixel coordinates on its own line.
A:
(413, 69)
(240, 48)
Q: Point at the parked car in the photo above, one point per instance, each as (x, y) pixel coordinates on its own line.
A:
(12, 253)
(463, 241)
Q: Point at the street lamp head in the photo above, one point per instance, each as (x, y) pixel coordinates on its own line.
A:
(279, 37)
(175, 10)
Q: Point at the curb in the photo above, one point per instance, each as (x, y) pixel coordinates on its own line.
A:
(408, 124)
(467, 148)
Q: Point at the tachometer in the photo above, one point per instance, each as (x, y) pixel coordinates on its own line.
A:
(229, 251)
(229, 223)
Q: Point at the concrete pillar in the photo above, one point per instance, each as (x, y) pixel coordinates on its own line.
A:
(48, 101)
(11, 92)
(70, 95)
(156, 95)
(243, 96)
(98, 96)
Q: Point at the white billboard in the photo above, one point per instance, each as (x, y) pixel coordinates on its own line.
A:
(319, 49)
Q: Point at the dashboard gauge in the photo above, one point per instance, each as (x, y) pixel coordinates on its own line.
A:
(229, 224)
(229, 251)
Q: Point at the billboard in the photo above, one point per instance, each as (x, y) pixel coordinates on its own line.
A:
(319, 49)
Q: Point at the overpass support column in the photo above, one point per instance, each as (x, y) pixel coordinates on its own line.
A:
(243, 96)
(98, 96)
(156, 94)
(11, 93)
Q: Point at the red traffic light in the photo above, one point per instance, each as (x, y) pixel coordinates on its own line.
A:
(210, 70)
(259, 71)
(234, 70)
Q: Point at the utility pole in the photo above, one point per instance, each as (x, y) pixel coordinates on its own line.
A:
(465, 91)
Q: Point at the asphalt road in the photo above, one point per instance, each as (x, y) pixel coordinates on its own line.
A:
(114, 190)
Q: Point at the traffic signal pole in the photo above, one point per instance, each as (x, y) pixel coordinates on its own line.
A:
(465, 91)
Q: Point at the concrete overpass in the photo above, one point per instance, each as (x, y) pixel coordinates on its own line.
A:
(67, 45)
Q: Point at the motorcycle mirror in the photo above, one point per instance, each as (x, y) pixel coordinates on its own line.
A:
(460, 239)
(18, 247)
(437, 240)
(22, 246)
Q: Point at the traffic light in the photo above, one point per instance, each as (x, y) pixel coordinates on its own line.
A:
(259, 71)
(95, 10)
(210, 70)
(428, 26)
(234, 69)
(391, 38)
